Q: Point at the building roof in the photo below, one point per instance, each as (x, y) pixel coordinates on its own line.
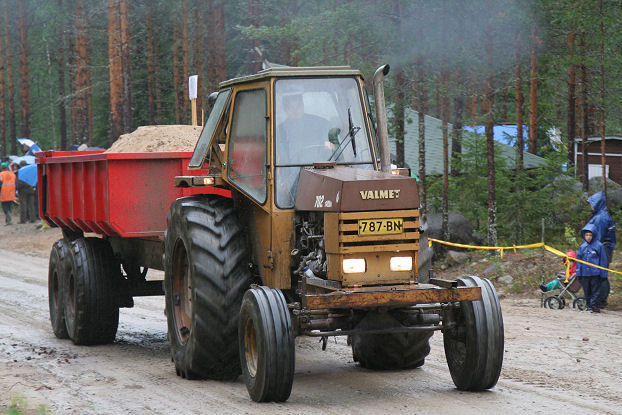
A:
(598, 138)
(434, 146)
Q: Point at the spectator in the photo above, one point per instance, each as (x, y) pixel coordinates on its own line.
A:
(592, 251)
(7, 191)
(606, 231)
(28, 146)
(27, 191)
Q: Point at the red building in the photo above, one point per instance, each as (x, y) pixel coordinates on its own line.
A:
(613, 157)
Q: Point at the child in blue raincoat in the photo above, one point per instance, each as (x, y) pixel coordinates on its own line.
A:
(592, 251)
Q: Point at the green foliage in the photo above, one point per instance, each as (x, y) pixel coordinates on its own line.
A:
(524, 199)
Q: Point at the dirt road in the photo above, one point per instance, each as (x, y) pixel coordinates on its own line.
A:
(556, 361)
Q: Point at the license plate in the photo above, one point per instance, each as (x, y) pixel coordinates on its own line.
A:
(381, 226)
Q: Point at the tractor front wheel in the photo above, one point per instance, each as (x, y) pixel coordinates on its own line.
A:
(266, 345)
(474, 347)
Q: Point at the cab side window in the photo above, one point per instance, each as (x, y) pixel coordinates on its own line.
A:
(247, 144)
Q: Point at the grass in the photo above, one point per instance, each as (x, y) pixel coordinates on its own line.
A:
(19, 406)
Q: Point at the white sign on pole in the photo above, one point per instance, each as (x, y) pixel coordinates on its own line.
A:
(192, 86)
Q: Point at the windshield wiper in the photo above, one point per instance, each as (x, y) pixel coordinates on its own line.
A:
(352, 130)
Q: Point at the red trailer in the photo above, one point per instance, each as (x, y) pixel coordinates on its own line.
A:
(112, 210)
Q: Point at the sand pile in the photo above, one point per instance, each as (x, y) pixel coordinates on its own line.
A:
(151, 138)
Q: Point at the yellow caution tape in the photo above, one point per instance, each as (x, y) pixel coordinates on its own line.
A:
(529, 246)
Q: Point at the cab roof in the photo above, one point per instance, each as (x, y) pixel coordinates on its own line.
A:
(287, 71)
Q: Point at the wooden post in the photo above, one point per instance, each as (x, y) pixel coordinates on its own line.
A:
(193, 102)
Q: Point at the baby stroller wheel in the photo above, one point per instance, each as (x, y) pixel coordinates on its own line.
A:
(580, 303)
(554, 302)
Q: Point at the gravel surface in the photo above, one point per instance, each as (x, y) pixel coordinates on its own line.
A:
(556, 361)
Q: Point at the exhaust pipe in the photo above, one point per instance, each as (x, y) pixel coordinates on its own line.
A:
(381, 113)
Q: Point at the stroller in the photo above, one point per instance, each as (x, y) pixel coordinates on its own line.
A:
(567, 289)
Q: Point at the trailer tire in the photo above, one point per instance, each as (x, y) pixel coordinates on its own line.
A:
(57, 273)
(206, 275)
(474, 349)
(91, 292)
(391, 351)
(267, 352)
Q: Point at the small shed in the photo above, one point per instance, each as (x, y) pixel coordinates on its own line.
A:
(613, 157)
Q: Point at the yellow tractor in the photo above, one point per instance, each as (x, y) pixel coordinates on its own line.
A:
(318, 238)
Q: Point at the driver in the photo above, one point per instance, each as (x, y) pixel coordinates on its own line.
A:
(300, 130)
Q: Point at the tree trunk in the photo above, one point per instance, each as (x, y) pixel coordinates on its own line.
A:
(490, 143)
(185, 60)
(456, 142)
(520, 100)
(220, 58)
(82, 122)
(24, 72)
(533, 95)
(585, 118)
(572, 82)
(421, 107)
(10, 84)
(198, 49)
(603, 160)
(126, 66)
(400, 104)
(115, 71)
(176, 76)
(445, 134)
(150, 63)
(3, 142)
(60, 58)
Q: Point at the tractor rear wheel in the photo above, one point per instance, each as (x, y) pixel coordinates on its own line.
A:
(91, 292)
(474, 348)
(389, 351)
(206, 274)
(57, 273)
(267, 350)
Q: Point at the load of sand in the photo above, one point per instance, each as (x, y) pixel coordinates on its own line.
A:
(152, 138)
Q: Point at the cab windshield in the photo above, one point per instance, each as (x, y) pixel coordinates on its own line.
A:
(316, 120)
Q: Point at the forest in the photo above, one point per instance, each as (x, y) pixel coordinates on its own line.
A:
(87, 71)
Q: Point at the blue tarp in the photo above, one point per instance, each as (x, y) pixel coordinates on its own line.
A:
(505, 134)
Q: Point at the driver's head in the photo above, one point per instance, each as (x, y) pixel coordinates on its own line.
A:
(294, 106)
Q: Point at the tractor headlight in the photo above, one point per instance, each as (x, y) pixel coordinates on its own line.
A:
(401, 263)
(353, 265)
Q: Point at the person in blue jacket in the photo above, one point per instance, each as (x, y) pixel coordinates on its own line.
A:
(606, 233)
(27, 193)
(592, 251)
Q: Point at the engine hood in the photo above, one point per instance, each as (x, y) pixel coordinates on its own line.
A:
(347, 189)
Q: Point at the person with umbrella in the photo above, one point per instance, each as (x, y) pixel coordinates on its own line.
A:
(27, 191)
(28, 146)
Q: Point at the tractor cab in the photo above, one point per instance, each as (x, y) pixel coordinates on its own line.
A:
(280, 120)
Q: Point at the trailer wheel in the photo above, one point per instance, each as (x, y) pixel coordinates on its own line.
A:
(91, 297)
(206, 274)
(389, 351)
(57, 270)
(474, 348)
(267, 351)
